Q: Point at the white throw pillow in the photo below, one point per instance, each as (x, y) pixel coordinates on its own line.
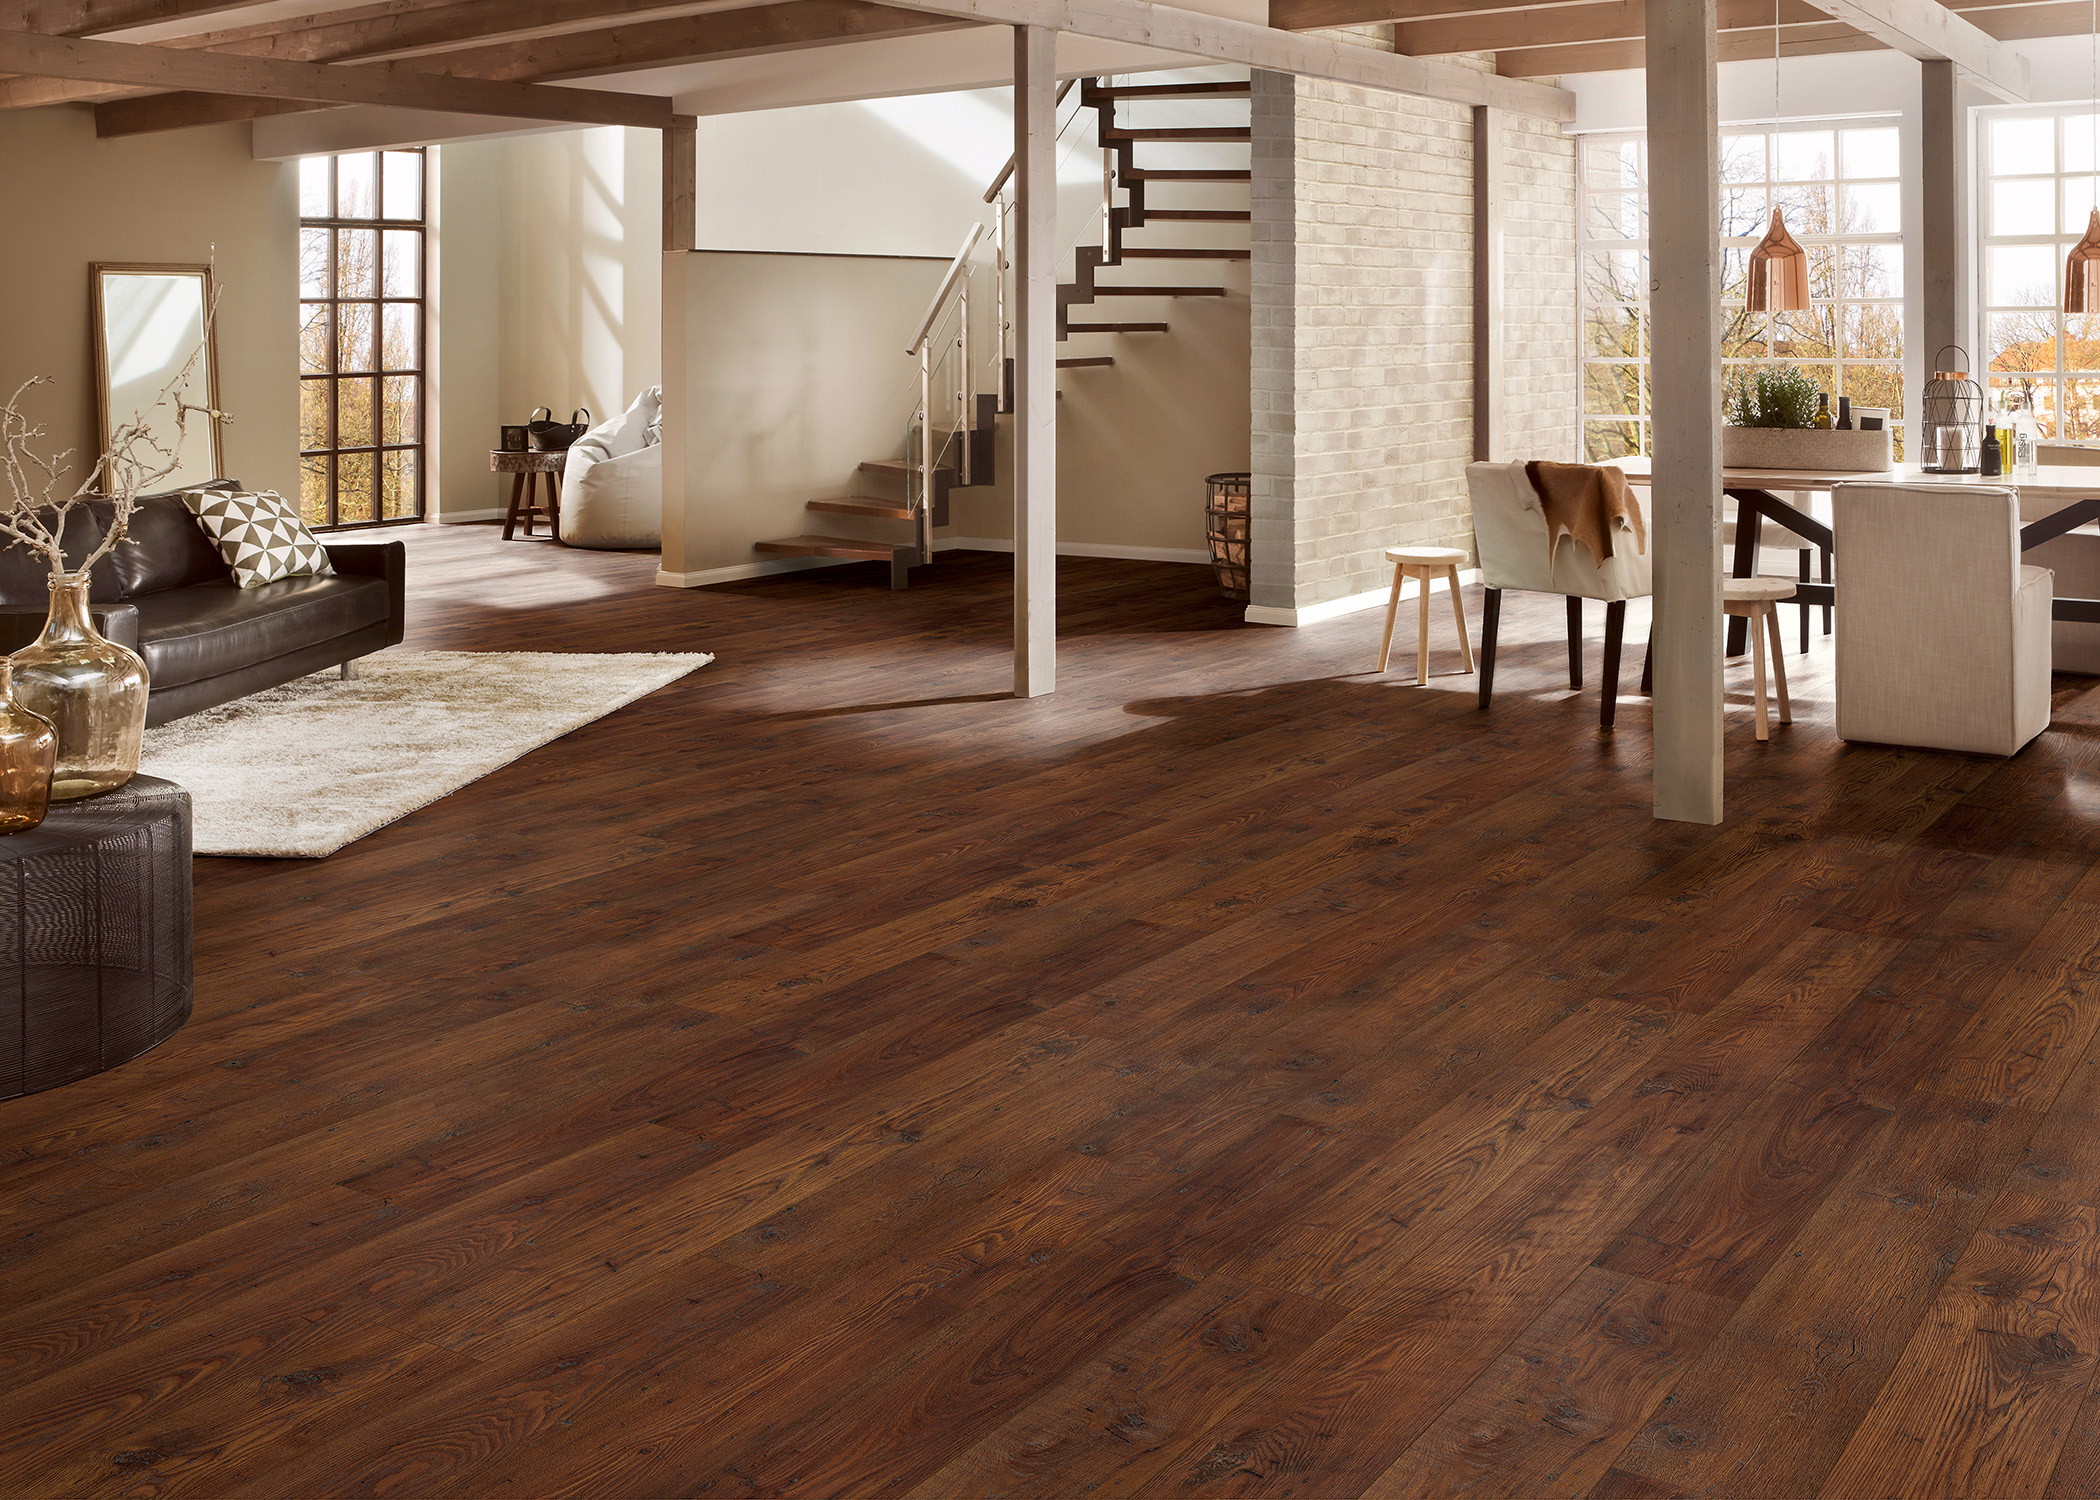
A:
(259, 534)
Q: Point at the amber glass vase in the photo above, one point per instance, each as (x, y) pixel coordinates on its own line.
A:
(92, 690)
(27, 746)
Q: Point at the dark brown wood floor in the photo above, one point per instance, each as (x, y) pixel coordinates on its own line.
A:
(1237, 1074)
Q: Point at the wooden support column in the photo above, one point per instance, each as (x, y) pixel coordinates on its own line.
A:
(681, 227)
(1035, 361)
(1684, 217)
(1490, 188)
(1943, 289)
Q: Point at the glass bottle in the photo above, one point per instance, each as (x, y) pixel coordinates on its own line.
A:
(1823, 418)
(91, 689)
(27, 743)
(2027, 443)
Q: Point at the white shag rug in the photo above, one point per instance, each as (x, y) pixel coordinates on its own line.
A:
(301, 770)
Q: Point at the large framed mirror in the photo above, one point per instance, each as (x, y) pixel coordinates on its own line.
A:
(149, 322)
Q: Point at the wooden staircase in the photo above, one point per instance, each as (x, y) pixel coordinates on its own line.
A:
(972, 460)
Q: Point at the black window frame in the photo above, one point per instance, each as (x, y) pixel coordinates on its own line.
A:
(332, 378)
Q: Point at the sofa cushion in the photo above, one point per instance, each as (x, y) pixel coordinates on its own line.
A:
(165, 548)
(190, 634)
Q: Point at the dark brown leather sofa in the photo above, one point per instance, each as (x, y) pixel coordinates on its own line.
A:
(167, 594)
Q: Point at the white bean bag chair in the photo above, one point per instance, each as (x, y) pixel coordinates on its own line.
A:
(612, 492)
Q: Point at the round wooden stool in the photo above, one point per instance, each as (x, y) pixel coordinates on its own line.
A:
(1423, 564)
(526, 470)
(1755, 600)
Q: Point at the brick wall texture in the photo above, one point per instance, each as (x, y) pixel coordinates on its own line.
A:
(1362, 323)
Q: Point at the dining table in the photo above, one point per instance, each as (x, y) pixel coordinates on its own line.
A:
(2056, 501)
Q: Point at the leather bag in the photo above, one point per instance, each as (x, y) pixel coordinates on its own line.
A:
(550, 436)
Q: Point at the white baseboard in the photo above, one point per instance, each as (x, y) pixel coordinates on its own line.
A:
(1333, 609)
(458, 517)
(739, 571)
(1078, 549)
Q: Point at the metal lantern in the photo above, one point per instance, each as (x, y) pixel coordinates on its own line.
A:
(1952, 416)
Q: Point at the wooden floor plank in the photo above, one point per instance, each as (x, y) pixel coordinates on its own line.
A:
(1238, 1072)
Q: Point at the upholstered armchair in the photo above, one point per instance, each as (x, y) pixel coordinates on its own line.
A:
(1944, 637)
(1509, 537)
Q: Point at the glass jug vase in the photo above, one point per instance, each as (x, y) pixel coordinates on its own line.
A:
(92, 690)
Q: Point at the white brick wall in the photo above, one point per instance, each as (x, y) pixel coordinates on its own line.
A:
(1362, 293)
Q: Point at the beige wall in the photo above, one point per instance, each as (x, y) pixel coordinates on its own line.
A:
(549, 268)
(73, 200)
(797, 375)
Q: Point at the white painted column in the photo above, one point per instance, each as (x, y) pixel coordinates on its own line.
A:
(1490, 189)
(1035, 361)
(1684, 216)
(1943, 282)
(681, 232)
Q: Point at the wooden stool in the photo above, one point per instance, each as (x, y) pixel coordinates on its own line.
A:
(526, 469)
(1423, 564)
(1754, 599)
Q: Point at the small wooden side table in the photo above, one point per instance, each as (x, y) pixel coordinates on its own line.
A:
(526, 470)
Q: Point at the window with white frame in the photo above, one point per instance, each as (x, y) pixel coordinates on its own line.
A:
(1839, 183)
(2036, 171)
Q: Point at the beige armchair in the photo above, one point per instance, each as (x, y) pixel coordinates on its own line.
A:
(1944, 642)
(1509, 537)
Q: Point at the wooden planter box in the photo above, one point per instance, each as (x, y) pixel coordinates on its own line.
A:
(1806, 448)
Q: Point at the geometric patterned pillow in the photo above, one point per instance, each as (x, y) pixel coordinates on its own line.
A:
(259, 534)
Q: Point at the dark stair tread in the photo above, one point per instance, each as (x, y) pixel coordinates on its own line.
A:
(1201, 215)
(1178, 133)
(835, 546)
(1182, 252)
(1158, 291)
(1173, 90)
(1115, 328)
(1187, 174)
(864, 505)
(1083, 364)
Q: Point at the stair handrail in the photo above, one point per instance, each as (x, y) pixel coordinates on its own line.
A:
(957, 269)
(1008, 170)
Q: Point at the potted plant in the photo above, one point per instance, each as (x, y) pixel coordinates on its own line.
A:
(1769, 415)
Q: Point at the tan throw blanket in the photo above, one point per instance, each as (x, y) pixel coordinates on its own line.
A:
(1588, 503)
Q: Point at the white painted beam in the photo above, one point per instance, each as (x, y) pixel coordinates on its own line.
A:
(1930, 32)
(1035, 361)
(171, 68)
(1195, 34)
(1684, 216)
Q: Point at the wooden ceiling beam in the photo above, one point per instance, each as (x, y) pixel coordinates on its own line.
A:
(1735, 46)
(1619, 20)
(371, 83)
(751, 31)
(1197, 34)
(96, 17)
(387, 32)
(1928, 31)
(1303, 15)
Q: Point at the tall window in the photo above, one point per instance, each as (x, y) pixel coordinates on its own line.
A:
(2038, 174)
(361, 337)
(1840, 188)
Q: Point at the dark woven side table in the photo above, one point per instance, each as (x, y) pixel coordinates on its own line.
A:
(95, 936)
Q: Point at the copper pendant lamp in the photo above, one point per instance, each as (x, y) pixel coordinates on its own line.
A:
(2082, 271)
(1778, 280)
(1779, 271)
